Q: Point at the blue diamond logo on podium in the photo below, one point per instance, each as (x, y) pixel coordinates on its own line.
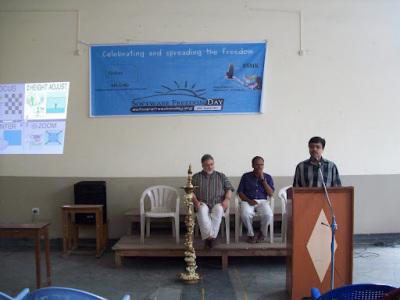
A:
(319, 246)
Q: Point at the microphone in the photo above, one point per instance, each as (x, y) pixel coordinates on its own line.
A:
(333, 226)
(324, 186)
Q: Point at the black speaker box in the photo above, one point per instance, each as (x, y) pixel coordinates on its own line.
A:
(90, 192)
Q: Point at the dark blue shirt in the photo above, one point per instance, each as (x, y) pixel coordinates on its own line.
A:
(251, 186)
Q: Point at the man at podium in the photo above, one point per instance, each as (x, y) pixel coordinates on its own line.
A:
(307, 172)
(315, 246)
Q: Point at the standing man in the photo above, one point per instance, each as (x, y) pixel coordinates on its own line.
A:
(254, 189)
(213, 194)
(307, 172)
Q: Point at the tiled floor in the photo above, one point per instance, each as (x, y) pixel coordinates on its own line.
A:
(154, 278)
(377, 264)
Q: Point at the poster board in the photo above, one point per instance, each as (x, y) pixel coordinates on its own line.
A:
(172, 79)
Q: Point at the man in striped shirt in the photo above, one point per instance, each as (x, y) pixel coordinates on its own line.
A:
(213, 193)
(307, 173)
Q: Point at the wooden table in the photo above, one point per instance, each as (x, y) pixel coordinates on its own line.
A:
(70, 229)
(35, 231)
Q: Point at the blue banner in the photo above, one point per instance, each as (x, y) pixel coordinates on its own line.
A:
(176, 79)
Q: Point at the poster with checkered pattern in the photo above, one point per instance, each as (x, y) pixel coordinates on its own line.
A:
(32, 117)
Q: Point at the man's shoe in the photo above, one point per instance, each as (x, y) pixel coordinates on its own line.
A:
(209, 243)
(206, 244)
(251, 239)
(260, 238)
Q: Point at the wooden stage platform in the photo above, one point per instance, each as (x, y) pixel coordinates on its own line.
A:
(165, 246)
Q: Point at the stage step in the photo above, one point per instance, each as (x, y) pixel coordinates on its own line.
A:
(165, 246)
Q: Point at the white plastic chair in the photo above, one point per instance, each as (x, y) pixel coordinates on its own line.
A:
(283, 196)
(164, 203)
(239, 223)
(227, 220)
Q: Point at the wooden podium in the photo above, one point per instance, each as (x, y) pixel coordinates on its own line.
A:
(309, 241)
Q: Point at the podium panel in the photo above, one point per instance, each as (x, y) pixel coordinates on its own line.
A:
(309, 239)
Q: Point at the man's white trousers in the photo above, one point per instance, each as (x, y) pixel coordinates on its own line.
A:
(247, 213)
(209, 222)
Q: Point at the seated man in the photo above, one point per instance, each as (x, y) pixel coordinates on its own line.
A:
(213, 193)
(254, 189)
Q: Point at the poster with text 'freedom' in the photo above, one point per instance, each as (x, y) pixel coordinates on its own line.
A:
(218, 78)
(32, 117)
